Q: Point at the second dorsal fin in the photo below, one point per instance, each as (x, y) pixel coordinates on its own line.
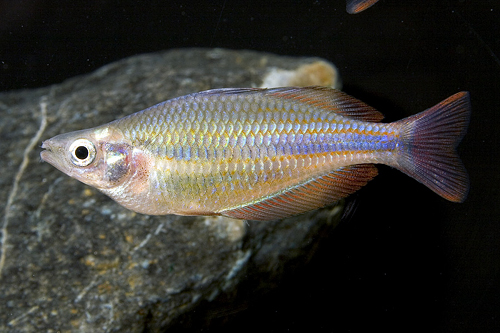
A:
(323, 97)
(316, 193)
(330, 99)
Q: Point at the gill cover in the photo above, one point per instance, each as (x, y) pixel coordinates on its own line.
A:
(117, 163)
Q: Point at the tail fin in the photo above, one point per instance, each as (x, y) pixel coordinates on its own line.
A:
(429, 143)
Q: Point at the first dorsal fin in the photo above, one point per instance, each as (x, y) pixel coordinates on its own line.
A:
(323, 97)
(316, 193)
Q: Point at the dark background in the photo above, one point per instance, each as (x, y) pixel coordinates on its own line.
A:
(405, 259)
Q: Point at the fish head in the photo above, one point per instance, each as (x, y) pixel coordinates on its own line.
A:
(99, 157)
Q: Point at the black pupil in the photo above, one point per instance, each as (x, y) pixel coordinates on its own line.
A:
(82, 152)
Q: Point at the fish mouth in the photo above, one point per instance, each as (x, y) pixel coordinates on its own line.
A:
(47, 155)
(52, 155)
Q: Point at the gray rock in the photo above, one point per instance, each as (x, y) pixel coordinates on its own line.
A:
(74, 260)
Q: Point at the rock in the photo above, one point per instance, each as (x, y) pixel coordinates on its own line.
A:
(74, 260)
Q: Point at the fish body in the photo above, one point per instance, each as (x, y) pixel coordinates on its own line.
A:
(260, 154)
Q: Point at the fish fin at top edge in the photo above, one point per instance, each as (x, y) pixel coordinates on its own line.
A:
(314, 194)
(429, 151)
(323, 97)
(357, 6)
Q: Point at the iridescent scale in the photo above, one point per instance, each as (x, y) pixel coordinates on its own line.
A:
(229, 148)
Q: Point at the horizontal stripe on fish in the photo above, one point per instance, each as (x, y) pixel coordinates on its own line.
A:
(315, 144)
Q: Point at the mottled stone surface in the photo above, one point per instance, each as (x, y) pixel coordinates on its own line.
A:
(74, 260)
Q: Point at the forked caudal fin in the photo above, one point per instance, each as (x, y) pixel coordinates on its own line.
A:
(429, 141)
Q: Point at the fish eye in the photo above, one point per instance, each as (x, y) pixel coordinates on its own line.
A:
(82, 152)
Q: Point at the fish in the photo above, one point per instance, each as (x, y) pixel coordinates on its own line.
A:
(357, 6)
(261, 154)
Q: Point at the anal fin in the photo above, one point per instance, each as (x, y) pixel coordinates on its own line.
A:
(315, 193)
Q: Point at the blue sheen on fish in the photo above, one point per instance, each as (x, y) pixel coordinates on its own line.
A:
(261, 154)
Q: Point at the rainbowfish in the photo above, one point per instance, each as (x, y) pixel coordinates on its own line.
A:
(260, 154)
(357, 6)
